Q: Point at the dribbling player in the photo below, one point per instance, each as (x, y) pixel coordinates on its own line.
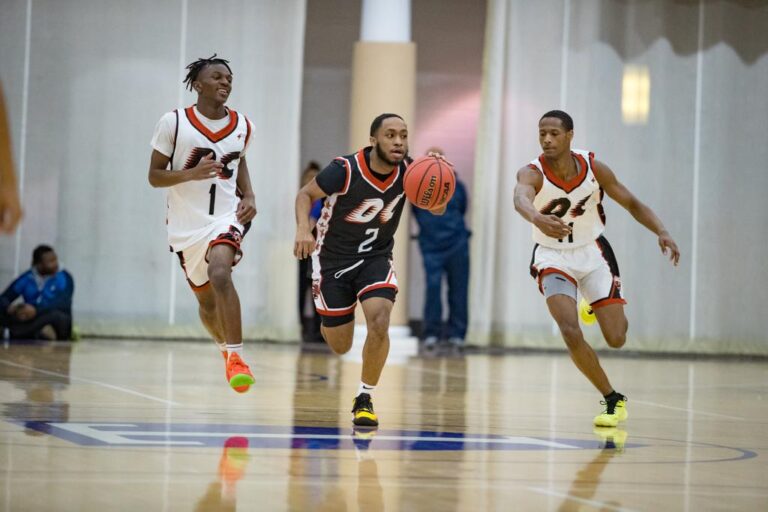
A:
(199, 155)
(560, 193)
(352, 256)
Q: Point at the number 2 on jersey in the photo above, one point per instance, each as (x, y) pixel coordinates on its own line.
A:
(212, 203)
(367, 243)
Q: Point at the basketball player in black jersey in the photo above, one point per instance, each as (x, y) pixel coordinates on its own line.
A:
(352, 256)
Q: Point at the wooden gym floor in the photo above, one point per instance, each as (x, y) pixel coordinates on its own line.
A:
(152, 426)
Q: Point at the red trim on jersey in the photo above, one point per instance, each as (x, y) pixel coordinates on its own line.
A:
(567, 186)
(369, 176)
(550, 270)
(349, 175)
(247, 133)
(606, 302)
(213, 137)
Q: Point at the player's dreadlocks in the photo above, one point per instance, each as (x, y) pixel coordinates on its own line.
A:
(195, 68)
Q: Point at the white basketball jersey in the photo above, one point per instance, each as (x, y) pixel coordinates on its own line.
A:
(577, 202)
(194, 206)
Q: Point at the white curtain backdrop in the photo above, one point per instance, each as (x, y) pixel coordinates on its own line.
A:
(698, 159)
(100, 76)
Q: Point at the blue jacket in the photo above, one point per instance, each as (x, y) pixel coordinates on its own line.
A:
(46, 293)
(440, 233)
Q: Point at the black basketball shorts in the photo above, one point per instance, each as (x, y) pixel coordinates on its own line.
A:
(337, 285)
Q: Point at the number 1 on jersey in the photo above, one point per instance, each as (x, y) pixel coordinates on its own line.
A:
(212, 193)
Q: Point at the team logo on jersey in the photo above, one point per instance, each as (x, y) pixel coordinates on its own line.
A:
(227, 159)
(578, 210)
(198, 153)
(372, 207)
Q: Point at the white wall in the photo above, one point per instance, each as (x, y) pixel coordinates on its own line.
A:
(699, 165)
(101, 75)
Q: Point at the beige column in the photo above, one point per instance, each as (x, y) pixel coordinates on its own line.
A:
(384, 80)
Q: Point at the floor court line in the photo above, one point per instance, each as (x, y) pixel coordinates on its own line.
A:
(643, 402)
(694, 411)
(91, 381)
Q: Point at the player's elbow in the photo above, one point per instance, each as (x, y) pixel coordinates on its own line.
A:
(153, 179)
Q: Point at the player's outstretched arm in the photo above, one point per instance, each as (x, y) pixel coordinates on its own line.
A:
(642, 213)
(305, 242)
(246, 208)
(160, 176)
(528, 183)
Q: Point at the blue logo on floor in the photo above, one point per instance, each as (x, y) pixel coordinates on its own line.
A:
(308, 438)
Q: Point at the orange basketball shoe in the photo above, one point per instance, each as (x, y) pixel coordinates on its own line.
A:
(239, 375)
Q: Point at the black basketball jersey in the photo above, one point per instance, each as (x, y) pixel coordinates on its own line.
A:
(362, 210)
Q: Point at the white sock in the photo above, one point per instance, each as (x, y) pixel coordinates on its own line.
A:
(235, 348)
(222, 346)
(365, 388)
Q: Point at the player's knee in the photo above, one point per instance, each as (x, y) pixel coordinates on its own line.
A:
(616, 339)
(571, 334)
(220, 276)
(378, 324)
(339, 344)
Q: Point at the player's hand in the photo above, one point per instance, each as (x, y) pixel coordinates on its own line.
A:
(304, 245)
(552, 226)
(246, 210)
(667, 244)
(10, 209)
(439, 156)
(207, 168)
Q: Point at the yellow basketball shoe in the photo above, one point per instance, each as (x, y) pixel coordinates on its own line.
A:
(586, 313)
(615, 411)
(362, 410)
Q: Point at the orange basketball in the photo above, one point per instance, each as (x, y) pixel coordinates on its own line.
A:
(429, 182)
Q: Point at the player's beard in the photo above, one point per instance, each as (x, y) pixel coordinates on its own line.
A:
(385, 158)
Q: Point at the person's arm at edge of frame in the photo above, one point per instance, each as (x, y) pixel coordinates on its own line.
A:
(10, 207)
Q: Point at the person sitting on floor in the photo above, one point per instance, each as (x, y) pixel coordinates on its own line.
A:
(38, 304)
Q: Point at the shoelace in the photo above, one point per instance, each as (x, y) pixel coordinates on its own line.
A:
(610, 407)
(239, 366)
(363, 403)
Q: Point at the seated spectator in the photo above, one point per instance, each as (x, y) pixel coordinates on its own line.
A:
(38, 304)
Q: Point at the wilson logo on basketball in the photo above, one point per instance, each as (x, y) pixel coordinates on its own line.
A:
(427, 193)
(429, 182)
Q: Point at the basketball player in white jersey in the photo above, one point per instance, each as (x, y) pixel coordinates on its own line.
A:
(560, 193)
(199, 155)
